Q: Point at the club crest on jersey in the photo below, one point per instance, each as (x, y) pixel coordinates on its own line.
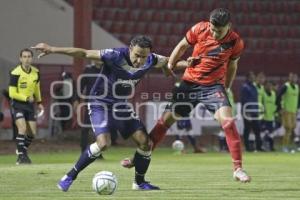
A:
(23, 85)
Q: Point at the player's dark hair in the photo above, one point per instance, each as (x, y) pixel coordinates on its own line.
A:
(26, 50)
(219, 17)
(142, 41)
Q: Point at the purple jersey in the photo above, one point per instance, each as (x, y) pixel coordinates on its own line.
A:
(120, 76)
(184, 124)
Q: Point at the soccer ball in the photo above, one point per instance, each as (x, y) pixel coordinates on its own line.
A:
(105, 183)
(178, 145)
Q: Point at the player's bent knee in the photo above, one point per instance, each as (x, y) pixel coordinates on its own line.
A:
(144, 144)
(145, 147)
(103, 145)
(102, 142)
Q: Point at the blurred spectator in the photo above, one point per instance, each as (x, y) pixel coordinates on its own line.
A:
(268, 122)
(250, 112)
(13, 125)
(259, 84)
(1, 116)
(288, 104)
(66, 96)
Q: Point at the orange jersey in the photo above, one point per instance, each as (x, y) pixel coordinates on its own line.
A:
(215, 54)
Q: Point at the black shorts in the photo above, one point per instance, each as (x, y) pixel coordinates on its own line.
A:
(23, 110)
(188, 95)
(268, 126)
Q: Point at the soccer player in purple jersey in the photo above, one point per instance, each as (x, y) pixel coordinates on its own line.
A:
(122, 70)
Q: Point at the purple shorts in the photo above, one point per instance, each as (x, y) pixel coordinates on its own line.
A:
(104, 118)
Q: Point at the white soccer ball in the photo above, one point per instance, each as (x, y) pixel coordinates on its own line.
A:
(178, 145)
(105, 183)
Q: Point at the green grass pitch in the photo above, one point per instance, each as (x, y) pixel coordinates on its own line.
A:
(189, 176)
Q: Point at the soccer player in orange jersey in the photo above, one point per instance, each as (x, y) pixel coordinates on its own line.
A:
(212, 69)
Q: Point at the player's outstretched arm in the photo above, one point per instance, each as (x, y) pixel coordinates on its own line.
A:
(181, 65)
(162, 62)
(231, 72)
(176, 54)
(46, 49)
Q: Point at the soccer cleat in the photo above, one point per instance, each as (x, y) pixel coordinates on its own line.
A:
(127, 163)
(20, 160)
(65, 183)
(100, 157)
(240, 175)
(27, 159)
(23, 159)
(144, 186)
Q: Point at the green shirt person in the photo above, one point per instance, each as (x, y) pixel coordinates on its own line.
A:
(288, 103)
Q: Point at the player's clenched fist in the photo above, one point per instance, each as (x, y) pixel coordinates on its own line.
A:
(192, 61)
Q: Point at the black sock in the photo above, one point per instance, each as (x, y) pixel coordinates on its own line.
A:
(28, 141)
(192, 140)
(141, 162)
(20, 141)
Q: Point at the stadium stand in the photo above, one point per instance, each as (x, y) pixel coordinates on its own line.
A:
(269, 28)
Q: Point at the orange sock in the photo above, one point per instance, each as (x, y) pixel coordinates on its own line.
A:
(234, 142)
(158, 133)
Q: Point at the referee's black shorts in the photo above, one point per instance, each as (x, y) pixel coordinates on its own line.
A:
(23, 110)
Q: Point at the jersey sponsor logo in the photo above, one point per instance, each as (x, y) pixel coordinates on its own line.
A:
(125, 82)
